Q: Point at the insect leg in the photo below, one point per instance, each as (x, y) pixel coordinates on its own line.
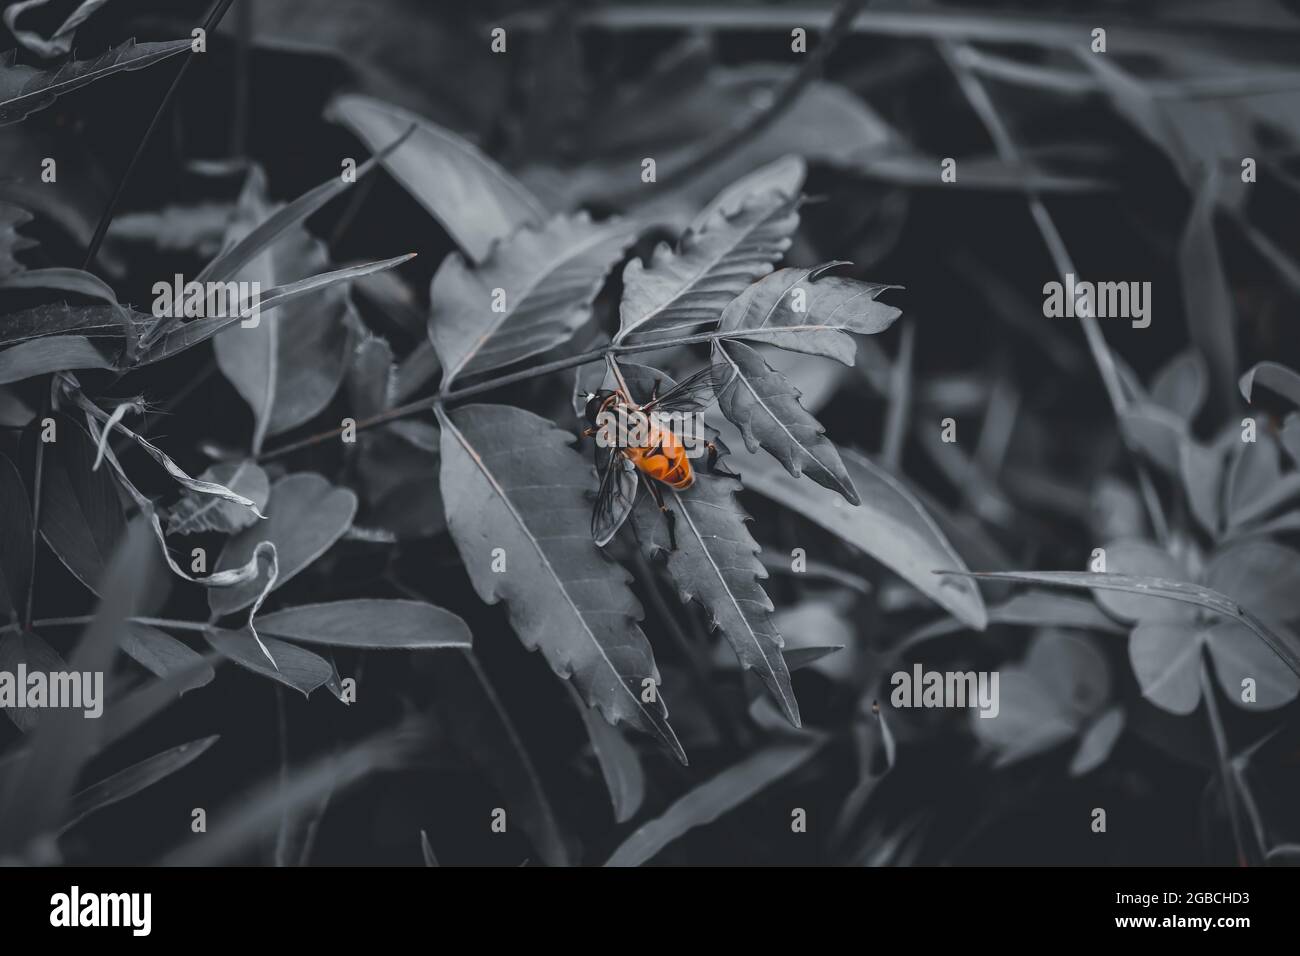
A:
(712, 465)
(669, 516)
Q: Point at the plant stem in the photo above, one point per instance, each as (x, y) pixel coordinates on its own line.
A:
(87, 618)
(460, 394)
(218, 11)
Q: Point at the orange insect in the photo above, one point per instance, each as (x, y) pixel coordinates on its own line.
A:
(641, 449)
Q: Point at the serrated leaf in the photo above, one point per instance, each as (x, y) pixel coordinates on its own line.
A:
(764, 405)
(889, 524)
(369, 623)
(675, 291)
(196, 513)
(807, 310)
(305, 515)
(25, 89)
(289, 365)
(548, 276)
(716, 562)
(711, 799)
(11, 217)
(512, 481)
(476, 200)
(784, 177)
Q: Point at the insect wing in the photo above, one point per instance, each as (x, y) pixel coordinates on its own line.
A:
(615, 499)
(694, 393)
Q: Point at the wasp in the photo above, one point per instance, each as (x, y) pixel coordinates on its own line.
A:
(643, 449)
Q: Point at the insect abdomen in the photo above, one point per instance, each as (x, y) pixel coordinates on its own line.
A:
(664, 459)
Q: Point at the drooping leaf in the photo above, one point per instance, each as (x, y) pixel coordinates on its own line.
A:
(532, 293)
(294, 667)
(764, 405)
(711, 799)
(57, 43)
(807, 310)
(127, 783)
(57, 353)
(890, 525)
(81, 517)
(1274, 377)
(676, 291)
(619, 764)
(305, 515)
(512, 482)
(716, 561)
(25, 89)
(474, 199)
(15, 541)
(195, 513)
(289, 365)
(369, 623)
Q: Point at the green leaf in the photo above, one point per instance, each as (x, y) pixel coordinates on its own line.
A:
(369, 623)
(513, 484)
(807, 310)
(548, 276)
(674, 292)
(476, 200)
(289, 365)
(890, 525)
(25, 89)
(196, 513)
(764, 405)
(127, 783)
(294, 667)
(713, 798)
(305, 515)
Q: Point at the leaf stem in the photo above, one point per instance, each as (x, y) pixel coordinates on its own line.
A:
(513, 378)
(83, 619)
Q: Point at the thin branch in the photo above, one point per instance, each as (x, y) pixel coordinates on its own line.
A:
(218, 11)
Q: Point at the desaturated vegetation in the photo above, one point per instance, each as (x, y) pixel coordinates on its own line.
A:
(988, 554)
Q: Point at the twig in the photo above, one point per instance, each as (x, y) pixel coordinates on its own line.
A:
(218, 11)
(900, 401)
(1221, 748)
